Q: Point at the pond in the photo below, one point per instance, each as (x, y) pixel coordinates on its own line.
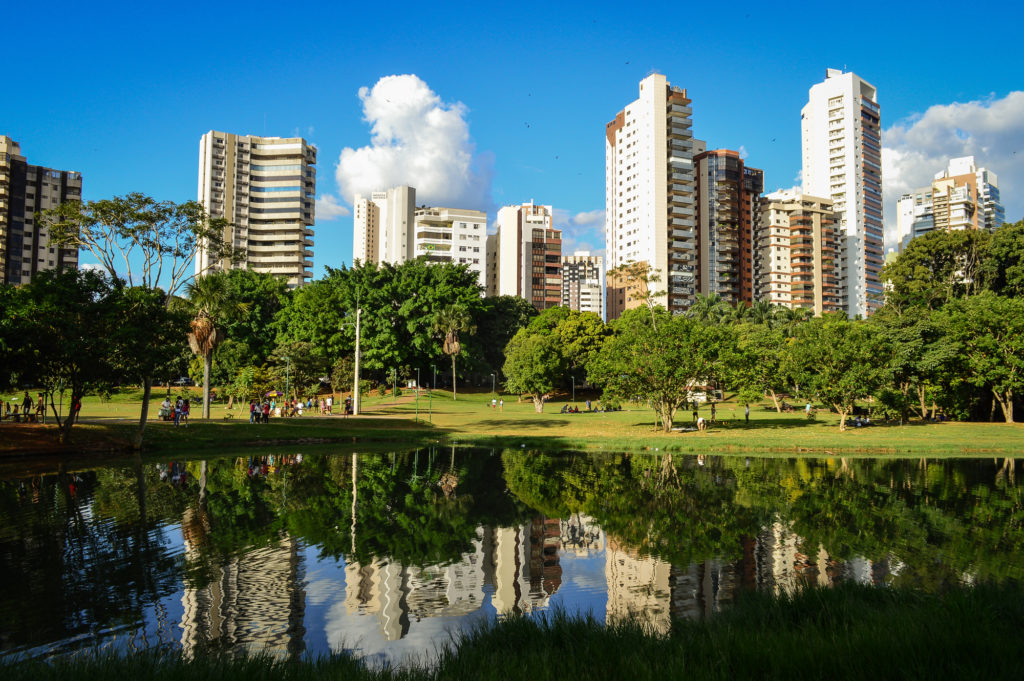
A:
(388, 555)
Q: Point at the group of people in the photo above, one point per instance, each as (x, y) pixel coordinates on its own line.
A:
(260, 411)
(498, 403)
(24, 411)
(178, 412)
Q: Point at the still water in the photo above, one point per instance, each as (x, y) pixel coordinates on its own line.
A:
(389, 555)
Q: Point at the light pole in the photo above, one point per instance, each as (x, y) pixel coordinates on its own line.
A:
(492, 383)
(573, 389)
(417, 398)
(355, 381)
(287, 375)
(434, 382)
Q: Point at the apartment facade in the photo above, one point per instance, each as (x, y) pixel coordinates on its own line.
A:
(796, 253)
(650, 195)
(842, 147)
(25, 189)
(265, 187)
(963, 196)
(728, 193)
(526, 255)
(383, 225)
(583, 282)
(455, 235)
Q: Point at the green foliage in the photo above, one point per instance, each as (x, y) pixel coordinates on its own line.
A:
(937, 268)
(497, 321)
(835, 360)
(660, 359)
(534, 364)
(1003, 270)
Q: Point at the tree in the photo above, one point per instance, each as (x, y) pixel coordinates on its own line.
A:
(936, 268)
(533, 366)
(449, 322)
(837, 361)
(1003, 270)
(639, 282)
(65, 324)
(756, 366)
(990, 330)
(153, 243)
(302, 369)
(497, 322)
(209, 298)
(249, 332)
(660, 359)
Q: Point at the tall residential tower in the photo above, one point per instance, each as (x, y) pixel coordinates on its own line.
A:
(25, 189)
(650, 195)
(842, 161)
(265, 187)
(525, 256)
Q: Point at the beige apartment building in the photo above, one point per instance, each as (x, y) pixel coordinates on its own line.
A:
(797, 246)
(525, 256)
(455, 235)
(382, 225)
(25, 189)
(265, 187)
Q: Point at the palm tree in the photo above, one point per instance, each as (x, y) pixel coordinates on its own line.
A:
(210, 298)
(760, 312)
(706, 308)
(450, 321)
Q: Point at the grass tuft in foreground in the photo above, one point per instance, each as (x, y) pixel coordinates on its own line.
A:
(848, 632)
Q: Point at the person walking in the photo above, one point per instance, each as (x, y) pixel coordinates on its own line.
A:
(41, 409)
(746, 413)
(184, 412)
(177, 412)
(501, 404)
(712, 412)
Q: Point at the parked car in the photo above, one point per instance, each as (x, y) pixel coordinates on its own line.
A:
(184, 380)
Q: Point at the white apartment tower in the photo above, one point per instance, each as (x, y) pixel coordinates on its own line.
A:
(842, 147)
(383, 226)
(455, 235)
(265, 187)
(650, 194)
(583, 282)
(526, 255)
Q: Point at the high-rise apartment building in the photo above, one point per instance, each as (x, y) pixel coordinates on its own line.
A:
(455, 235)
(525, 256)
(583, 282)
(650, 195)
(796, 253)
(25, 189)
(265, 187)
(383, 225)
(962, 196)
(842, 160)
(728, 193)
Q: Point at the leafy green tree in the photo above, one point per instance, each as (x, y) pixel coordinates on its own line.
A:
(990, 330)
(660, 359)
(936, 268)
(756, 368)
(637, 282)
(249, 331)
(253, 382)
(211, 301)
(449, 322)
(580, 337)
(837, 361)
(497, 321)
(146, 242)
(533, 366)
(302, 370)
(1003, 270)
(66, 324)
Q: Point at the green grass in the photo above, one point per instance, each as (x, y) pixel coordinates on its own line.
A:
(847, 632)
(470, 420)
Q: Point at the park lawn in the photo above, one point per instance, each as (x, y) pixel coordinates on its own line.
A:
(471, 420)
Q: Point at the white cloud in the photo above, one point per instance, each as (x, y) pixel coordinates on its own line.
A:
(916, 148)
(581, 232)
(743, 152)
(417, 140)
(328, 208)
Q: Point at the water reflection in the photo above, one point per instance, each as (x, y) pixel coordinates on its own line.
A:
(386, 554)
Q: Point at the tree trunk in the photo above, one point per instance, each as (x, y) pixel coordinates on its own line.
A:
(453, 377)
(842, 418)
(207, 363)
(147, 389)
(538, 403)
(775, 399)
(924, 405)
(1006, 404)
(64, 427)
(667, 413)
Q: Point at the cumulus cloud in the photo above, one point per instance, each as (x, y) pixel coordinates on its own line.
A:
(581, 231)
(418, 140)
(328, 208)
(918, 147)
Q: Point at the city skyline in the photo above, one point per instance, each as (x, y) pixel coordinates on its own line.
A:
(507, 112)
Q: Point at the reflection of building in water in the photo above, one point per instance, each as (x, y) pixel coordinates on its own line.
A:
(526, 568)
(579, 534)
(638, 587)
(703, 588)
(399, 594)
(784, 562)
(253, 602)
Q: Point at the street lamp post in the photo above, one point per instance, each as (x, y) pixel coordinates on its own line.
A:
(287, 375)
(492, 383)
(417, 396)
(573, 389)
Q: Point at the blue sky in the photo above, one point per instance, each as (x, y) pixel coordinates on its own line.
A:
(508, 102)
